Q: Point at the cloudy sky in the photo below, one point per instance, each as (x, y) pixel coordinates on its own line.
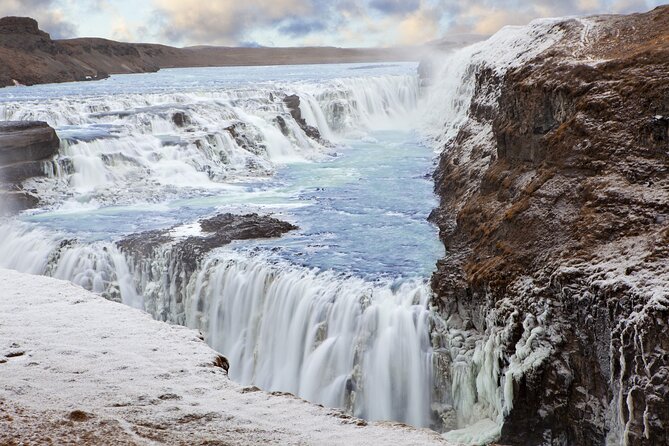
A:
(352, 23)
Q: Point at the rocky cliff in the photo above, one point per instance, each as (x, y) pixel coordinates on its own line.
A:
(25, 149)
(555, 211)
(29, 56)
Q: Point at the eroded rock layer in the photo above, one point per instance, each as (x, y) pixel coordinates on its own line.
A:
(555, 212)
(25, 149)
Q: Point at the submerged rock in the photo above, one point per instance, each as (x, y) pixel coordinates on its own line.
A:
(181, 119)
(557, 237)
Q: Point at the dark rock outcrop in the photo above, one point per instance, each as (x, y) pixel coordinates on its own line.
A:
(13, 202)
(25, 148)
(562, 223)
(293, 104)
(181, 119)
(26, 141)
(158, 255)
(29, 56)
(223, 229)
(217, 231)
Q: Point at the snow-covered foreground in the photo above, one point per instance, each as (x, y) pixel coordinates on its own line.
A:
(76, 368)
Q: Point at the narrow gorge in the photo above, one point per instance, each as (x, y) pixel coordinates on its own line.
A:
(288, 214)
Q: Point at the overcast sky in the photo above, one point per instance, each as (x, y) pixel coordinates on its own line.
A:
(296, 22)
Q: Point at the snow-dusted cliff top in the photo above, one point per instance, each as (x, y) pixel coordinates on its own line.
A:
(75, 367)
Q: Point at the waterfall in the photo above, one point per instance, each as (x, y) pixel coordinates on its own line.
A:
(446, 103)
(341, 342)
(336, 340)
(330, 337)
(202, 138)
(372, 347)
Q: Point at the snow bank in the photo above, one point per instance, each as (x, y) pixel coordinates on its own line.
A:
(78, 368)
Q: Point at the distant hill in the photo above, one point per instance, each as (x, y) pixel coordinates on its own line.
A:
(29, 56)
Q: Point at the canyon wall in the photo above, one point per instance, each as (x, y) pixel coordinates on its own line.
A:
(555, 214)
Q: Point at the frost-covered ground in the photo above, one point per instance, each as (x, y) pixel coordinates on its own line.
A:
(78, 369)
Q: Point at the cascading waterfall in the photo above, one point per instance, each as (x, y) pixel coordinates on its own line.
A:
(336, 339)
(199, 139)
(446, 107)
(341, 342)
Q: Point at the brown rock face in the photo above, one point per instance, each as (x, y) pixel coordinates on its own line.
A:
(20, 25)
(24, 141)
(569, 221)
(25, 147)
(28, 56)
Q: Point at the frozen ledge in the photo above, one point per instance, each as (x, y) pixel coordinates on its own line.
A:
(76, 368)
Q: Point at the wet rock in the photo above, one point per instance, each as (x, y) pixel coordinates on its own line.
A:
(181, 119)
(224, 228)
(143, 244)
(282, 125)
(293, 104)
(217, 231)
(15, 174)
(13, 202)
(245, 139)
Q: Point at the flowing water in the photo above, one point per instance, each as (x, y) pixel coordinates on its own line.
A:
(336, 311)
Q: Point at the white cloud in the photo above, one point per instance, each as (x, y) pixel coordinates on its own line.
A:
(224, 21)
(298, 22)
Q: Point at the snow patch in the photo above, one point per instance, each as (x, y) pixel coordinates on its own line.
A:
(80, 352)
